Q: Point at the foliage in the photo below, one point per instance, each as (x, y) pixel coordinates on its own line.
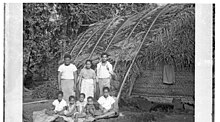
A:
(135, 36)
(48, 90)
(50, 29)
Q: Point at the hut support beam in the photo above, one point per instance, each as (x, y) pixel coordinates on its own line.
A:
(139, 48)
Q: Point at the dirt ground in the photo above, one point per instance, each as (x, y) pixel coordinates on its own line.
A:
(126, 115)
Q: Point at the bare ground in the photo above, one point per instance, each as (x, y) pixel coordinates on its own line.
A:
(126, 115)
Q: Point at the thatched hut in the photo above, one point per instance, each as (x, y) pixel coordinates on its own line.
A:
(141, 46)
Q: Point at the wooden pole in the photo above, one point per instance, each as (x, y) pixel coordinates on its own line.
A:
(139, 48)
(41, 101)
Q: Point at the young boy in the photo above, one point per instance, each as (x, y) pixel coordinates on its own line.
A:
(67, 77)
(90, 108)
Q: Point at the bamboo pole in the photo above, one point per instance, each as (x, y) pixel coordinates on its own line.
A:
(120, 53)
(121, 27)
(71, 51)
(101, 37)
(41, 101)
(110, 42)
(133, 60)
(132, 83)
(87, 42)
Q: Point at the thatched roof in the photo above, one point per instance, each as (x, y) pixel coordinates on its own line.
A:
(167, 34)
(159, 34)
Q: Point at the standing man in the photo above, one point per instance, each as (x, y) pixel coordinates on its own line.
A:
(67, 77)
(104, 72)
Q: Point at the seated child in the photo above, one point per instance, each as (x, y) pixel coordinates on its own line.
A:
(69, 114)
(89, 109)
(58, 106)
(80, 105)
(108, 105)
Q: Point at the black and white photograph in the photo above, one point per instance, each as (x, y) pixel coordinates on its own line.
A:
(108, 62)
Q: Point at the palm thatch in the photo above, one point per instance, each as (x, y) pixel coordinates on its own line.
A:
(158, 34)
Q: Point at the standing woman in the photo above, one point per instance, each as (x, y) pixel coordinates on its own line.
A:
(87, 80)
(67, 77)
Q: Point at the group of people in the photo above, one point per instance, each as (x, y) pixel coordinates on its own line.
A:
(82, 110)
(67, 108)
(87, 78)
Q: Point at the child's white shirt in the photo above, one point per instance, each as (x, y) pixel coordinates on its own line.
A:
(106, 102)
(59, 105)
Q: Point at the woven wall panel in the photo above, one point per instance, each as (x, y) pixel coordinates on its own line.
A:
(151, 83)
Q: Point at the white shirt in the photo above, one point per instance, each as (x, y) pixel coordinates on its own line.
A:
(106, 102)
(59, 105)
(67, 71)
(104, 71)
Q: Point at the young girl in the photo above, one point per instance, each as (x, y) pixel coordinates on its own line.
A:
(87, 80)
(67, 77)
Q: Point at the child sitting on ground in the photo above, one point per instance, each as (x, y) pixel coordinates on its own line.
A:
(108, 105)
(58, 107)
(69, 114)
(89, 109)
(80, 105)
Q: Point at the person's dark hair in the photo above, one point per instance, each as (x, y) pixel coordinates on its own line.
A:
(71, 97)
(89, 61)
(82, 95)
(67, 55)
(60, 92)
(90, 97)
(106, 88)
(104, 54)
